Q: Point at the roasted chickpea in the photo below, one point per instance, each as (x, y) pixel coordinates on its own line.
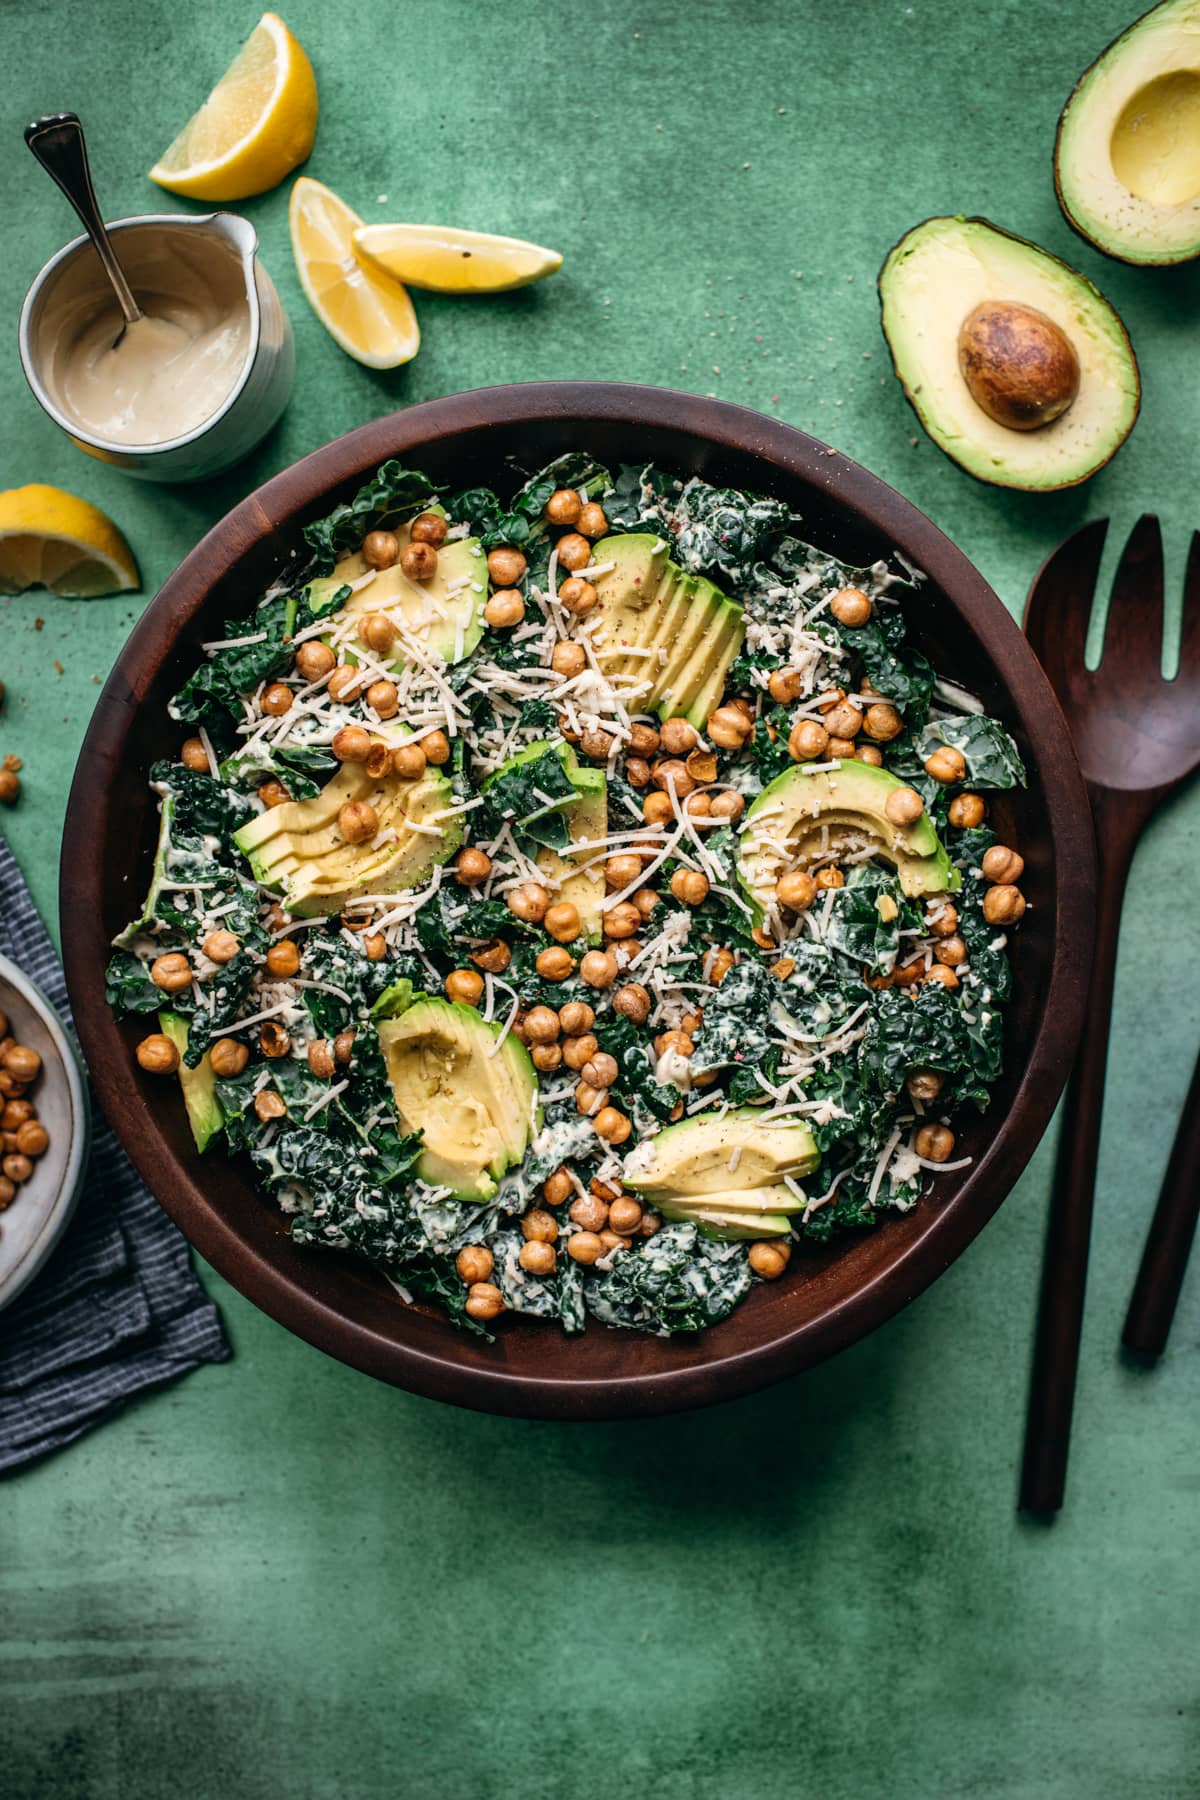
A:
(633, 1002)
(597, 744)
(343, 1047)
(924, 1084)
(17, 1112)
(172, 973)
(320, 1058)
(637, 771)
(221, 946)
(796, 890)
(419, 561)
(728, 727)
(1002, 866)
(850, 606)
(562, 921)
(493, 957)
(676, 1043)
(644, 740)
(351, 744)
(484, 1301)
(528, 901)
(698, 807)
(590, 1100)
(537, 1257)
(622, 920)
(429, 528)
(10, 787)
(589, 1212)
(689, 887)
(408, 762)
(717, 964)
(345, 682)
(728, 806)
(474, 1262)
(383, 698)
(945, 924)
(584, 1247)
(952, 951)
(268, 1104)
(541, 1025)
(769, 1257)
(1003, 904)
(156, 1054)
(882, 722)
(273, 793)
(843, 721)
(283, 958)
(436, 746)
(625, 1215)
(276, 699)
(17, 1168)
(657, 808)
(935, 1143)
(598, 969)
(464, 987)
(563, 507)
(228, 1057)
(8, 1192)
(273, 1040)
(471, 867)
(557, 1188)
(314, 660)
(505, 608)
(600, 1070)
(378, 633)
(904, 806)
(576, 1017)
(967, 811)
(946, 765)
(546, 1057)
(357, 821)
(870, 753)
(506, 567)
(568, 659)
(677, 737)
(671, 775)
(701, 765)
(785, 686)
(379, 762)
(840, 749)
(554, 964)
(612, 1125)
(380, 549)
(193, 755)
(622, 870)
(645, 900)
(577, 595)
(941, 976)
(574, 552)
(592, 520)
(829, 877)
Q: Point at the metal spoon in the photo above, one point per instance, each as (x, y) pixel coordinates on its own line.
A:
(57, 142)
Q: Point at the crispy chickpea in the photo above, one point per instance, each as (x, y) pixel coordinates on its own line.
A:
(677, 1043)
(484, 1301)
(645, 900)
(882, 722)
(870, 753)
(493, 957)
(273, 1040)
(904, 806)
(546, 1057)
(537, 1257)
(17, 1168)
(622, 920)
(156, 1054)
(314, 660)
(506, 567)
(1002, 866)
(946, 922)
(633, 1002)
(621, 870)
(677, 737)
(946, 765)
(464, 987)
(419, 561)
(320, 1058)
(345, 682)
(592, 520)
(429, 528)
(785, 686)
(357, 821)
(967, 811)
(625, 1214)
(935, 1143)
(538, 1227)
(10, 786)
(474, 1262)
(505, 608)
(343, 1047)
(528, 901)
(644, 740)
(8, 1192)
(840, 749)
(557, 1188)
(436, 746)
(379, 763)
(472, 866)
(698, 807)
(701, 765)
(829, 877)
(276, 699)
(577, 595)
(380, 549)
(408, 762)
(1002, 905)
(269, 1105)
(843, 721)
(728, 806)
(597, 744)
(728, 727)
(657, 808)
(924, 1084)
(563, 507)
(283, 958)
(541, 1025)
(598, 969)
(193, 755)
(584, 1247)
(228, 1057)
(769, 1257)
(172, 973)
(377, 633)
(850, 606)
(796, 890)
(576, 1017)
(568, 659)
(952, 951)
(717, 964)
(554, 964)
(383, 698)
(590, 1100)
(273, 793)
(562, 921)
(612, 1125)
(221, 946)
(574, 552)
(689, 887)
(940, 976)
(351, 744)
(17, 1112)
(671, 774)
(600, 1070)
(589, 1212)
(637, 771)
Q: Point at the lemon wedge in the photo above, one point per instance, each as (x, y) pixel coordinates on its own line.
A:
(56, 541)
(454, 262)
(370, 315)
(255, 127)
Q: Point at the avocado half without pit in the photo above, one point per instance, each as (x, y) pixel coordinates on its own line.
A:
(1127, 156)
(1017, 367)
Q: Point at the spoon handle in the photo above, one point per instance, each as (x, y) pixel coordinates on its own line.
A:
(57, 142)
(1165, 1257)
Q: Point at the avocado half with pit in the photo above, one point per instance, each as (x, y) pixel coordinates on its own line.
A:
(808, 816)
(1127, 155)
(729, 1175)
(1016, 366)
(657, 624)
(469, 1091)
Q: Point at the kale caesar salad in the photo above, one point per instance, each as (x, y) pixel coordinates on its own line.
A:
(571, 902)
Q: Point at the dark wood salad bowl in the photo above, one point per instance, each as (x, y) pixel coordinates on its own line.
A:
(830, 1296)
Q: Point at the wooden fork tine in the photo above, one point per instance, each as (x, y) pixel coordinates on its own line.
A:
(1189, 637)
(1133, 630)
(1056, 622)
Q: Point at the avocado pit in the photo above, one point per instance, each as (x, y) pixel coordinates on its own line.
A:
(1019, 366)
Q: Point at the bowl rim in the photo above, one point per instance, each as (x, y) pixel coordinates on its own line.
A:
(58, 1212)
(265, 515)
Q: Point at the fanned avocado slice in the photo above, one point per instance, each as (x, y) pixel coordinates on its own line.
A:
(471, 1094)
(732, 1221)
(691, 630)
(807, 815)
(445, 613)
(299, 848)
(711, 1156)
(199, 1084)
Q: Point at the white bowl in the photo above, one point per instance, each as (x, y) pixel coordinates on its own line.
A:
(32, 1225)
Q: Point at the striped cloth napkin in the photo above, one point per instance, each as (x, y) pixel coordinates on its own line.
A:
(117, 1308)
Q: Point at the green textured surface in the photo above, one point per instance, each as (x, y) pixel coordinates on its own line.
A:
(278, 1579)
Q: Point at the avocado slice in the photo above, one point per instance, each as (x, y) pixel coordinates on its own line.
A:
(806, 815)
(1127, 155)
(692, 1159)
(691, 630)
(299, 849)
(475, 1104)
(731, 1222)
(587, 822)
(445, 613)
(936, 276)
(199, 1084)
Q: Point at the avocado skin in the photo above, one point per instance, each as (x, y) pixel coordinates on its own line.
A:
(199, 1084)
